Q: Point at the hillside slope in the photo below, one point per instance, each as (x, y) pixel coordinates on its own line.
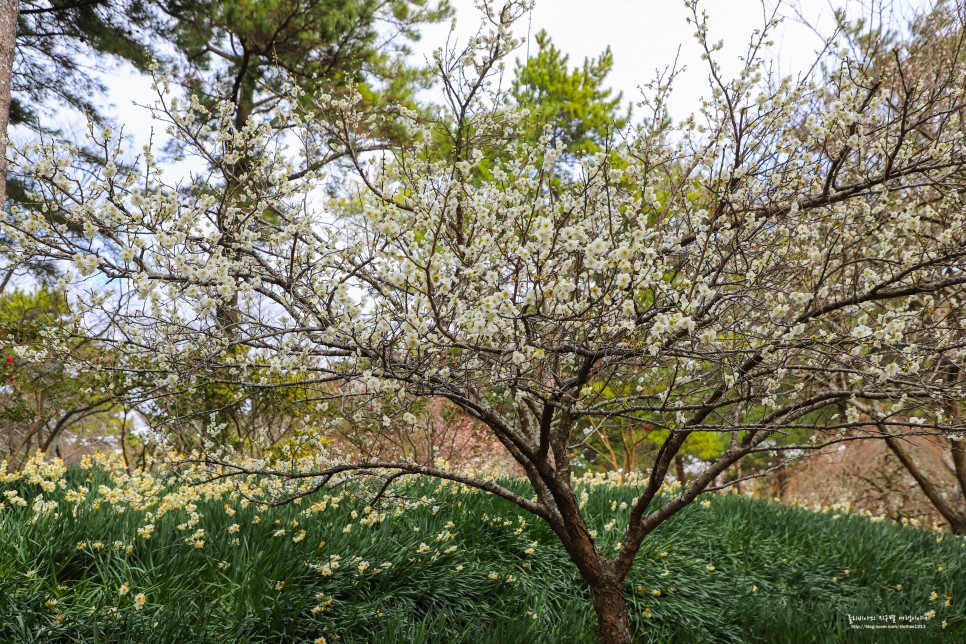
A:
(87, 554)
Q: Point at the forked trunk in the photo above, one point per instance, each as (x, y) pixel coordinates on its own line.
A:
(613, 626)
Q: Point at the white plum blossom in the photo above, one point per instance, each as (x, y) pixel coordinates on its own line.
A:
(861, 332)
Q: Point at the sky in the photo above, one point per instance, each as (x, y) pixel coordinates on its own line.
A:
(647, 35)
(644, 36)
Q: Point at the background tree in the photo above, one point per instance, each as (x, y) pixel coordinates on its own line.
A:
(428, 432)
(938, 39)
(572, 107)
(930, 44)
(47, 404)
(60, 47)
(48, 64)
(247, 53)
(223, 410)
(250, 56)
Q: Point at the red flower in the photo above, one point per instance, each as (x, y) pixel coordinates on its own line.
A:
(12, 378)
(9, 359)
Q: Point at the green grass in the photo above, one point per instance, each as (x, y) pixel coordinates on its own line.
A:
(779, 573)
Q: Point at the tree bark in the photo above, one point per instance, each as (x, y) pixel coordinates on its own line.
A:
(679, 469)
(613, 625)
(602, 576)
(9, 11)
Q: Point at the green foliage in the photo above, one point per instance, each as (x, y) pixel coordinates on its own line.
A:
(247, 51)
(571, 105)
(631, 440)
(703, 446)
(42, 395)
(56, 41)
(738, 571)
(270, 419)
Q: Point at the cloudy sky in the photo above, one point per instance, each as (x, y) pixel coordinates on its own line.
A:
(644, 35)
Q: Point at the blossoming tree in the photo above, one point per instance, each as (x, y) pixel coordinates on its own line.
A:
(771, 264)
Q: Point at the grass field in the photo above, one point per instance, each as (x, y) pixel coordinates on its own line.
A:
(91, 555)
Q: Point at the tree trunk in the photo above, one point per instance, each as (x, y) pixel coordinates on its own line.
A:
(679, 468)
(613, 626)
(779, 483)
(9, 11)
(602, 576)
